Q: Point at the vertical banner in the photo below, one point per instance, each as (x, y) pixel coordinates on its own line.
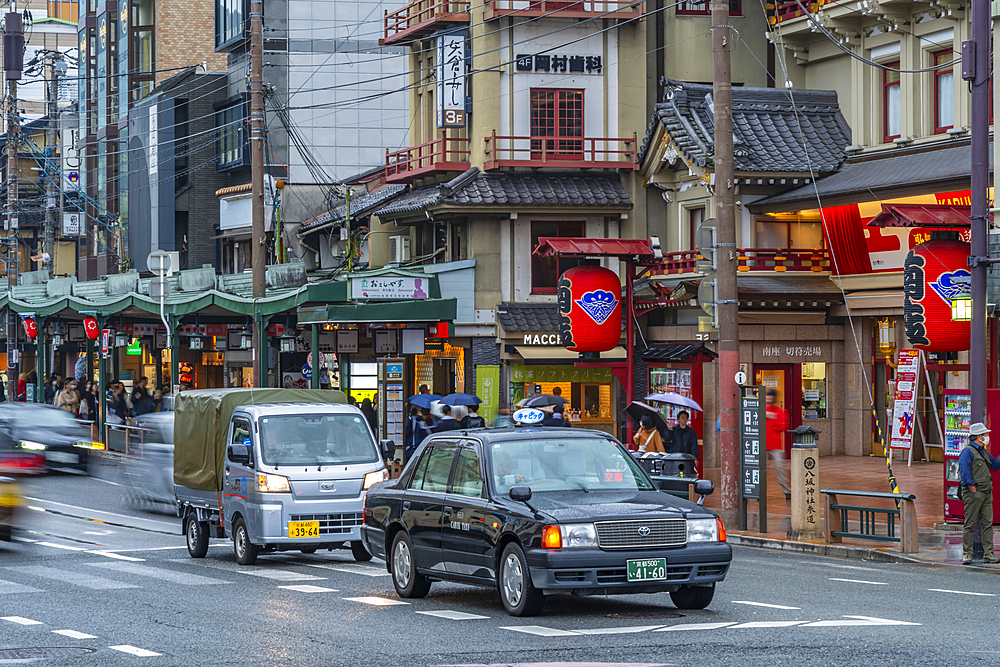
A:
(904, 406)
(105, 342)
(488, 391)
(450, 94)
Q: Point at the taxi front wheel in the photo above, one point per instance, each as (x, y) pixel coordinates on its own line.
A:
(518, 594)
(693, 597)
(408, 582)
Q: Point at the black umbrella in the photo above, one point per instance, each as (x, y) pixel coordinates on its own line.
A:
(637, 409)
(544, 401)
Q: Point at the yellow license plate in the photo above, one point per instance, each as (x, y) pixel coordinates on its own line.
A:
(303, 529)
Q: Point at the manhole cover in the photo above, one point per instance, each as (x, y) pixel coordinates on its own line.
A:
(645, 614)
(43, 652)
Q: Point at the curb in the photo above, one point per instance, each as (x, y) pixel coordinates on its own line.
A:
(836, 550)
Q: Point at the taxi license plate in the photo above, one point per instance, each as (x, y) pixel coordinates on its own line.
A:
(62, 457)
(303, 529)
(647, 569)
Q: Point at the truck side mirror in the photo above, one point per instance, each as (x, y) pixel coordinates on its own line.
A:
(239, 454)
(388, 447)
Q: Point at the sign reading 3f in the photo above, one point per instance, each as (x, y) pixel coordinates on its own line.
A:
(451, 79)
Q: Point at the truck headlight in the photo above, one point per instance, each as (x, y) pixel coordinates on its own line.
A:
(33, 446)
(703, 530)
(375, 478)
(578, 535)
(267, 483)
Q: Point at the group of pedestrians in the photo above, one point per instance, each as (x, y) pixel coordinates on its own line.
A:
(141, 401)
(681, 439)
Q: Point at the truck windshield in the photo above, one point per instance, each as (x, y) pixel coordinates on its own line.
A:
(310, 440)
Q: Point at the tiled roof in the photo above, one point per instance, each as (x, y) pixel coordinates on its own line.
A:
(474, 188)
(766, 127)
(788, 287)
(675, 352)
(360, 207)
(528, 317)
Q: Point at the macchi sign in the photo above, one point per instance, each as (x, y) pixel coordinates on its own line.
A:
(541, 339)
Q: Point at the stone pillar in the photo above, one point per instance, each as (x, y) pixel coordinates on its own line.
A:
(806, 505)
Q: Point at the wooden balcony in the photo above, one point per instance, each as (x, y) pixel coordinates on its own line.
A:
(750, 260)
(421, 18)
(786, 10)
(570, 9)
(565, 152)
(439, 155)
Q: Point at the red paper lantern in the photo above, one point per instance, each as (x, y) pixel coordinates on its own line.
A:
(91, 329)
(590, 311)
(934, 273)
(30, 327)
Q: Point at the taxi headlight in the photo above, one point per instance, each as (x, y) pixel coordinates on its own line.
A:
(578, 535)
(702, 530)
(267, 483)
(375, 478)
(33, 446)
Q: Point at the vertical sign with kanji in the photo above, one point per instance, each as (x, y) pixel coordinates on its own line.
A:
(451, 79)
(904, 405)
(753, 461)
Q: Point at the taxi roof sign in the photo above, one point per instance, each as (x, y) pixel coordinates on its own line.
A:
(528, 416)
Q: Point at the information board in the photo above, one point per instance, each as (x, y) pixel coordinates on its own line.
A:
(750, 441)
(904, 406)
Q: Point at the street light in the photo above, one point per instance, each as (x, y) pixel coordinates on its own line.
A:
(961, 309)
(121, 340)
(887, 337)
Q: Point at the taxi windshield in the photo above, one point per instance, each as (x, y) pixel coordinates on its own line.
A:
(577, 464)
(316, 440)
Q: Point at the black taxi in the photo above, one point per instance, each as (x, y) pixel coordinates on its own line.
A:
(538, 511)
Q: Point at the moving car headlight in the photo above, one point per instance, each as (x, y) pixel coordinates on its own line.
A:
(33, 446)
(578, 535)
(272, 484)
(703, 530)
(375, 478)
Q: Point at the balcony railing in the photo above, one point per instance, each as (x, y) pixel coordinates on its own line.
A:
(421, 18)
(790, 9)
(616, 9)
(568, 152)
(750, 260)
(444, 154)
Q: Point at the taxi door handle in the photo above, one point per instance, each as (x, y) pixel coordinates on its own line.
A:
(447, 511)
(406, 504)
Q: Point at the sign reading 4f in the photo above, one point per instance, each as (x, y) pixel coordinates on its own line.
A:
(451, 79)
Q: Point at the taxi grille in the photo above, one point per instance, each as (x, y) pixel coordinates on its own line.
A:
(620, 575)
(332, 524)
(628, 534)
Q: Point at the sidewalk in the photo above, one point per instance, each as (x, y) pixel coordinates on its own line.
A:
(939, 543)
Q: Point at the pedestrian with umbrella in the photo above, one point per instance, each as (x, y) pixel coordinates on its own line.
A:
(637, 410)
(648, 438)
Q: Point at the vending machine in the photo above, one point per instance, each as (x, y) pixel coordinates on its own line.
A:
(956, 431)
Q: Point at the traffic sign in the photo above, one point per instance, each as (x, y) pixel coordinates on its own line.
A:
(158, 262)
(741, 378)
(307, 372)
(159, 288)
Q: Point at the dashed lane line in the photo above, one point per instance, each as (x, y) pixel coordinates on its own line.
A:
(694, 626)
(306, 588)
(764, 604)
(541, 631)
(855, 621)
(766, 624)
(163, 574)
(376, 601)
(945, 590)
(367, 570)
(859, 581)
(75, 578)
(21, 620)
(618, 631)
(134, 650)
(111, 554)
(74, 634)
(60, 546)
(453, 615)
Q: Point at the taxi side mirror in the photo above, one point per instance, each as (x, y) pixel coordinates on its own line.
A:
(520, 493)
(704, 488)
(388, 448)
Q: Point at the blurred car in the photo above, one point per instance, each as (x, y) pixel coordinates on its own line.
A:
(151, 472)
(10, 500)
(35, 437)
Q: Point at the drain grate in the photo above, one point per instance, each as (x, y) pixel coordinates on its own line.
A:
(645, 614)
(43, 652)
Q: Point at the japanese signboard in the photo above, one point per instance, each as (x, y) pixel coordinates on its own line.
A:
(389, 287)
(561, 64)
(451, 79)
(907, 387)
(809, 481)
(751, 438)
(567, 373)
(488, 390)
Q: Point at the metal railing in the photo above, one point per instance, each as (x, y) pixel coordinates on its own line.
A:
(837, 523)
(125, 439)
(790, 9)
(622, 8)
(560, 151)
(430, 156)
(782, 259)
(421, 11)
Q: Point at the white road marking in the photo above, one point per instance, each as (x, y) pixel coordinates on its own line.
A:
(378, 602)
(98, 532)
(111, 554)
(945, 590)
(75, 578)
(855, 621)
(859, 581)
(849, 567)
(74, 634)
(452, 615)
(541, 631)
(767, 624)
(60, 546)
(764, 604)
(21, 620)
(281, 575)
(183, 578)
(9, 588)
(17, 538)
(107, 481)
(366, 570)
(306, 588)
(141, 652)
(618, 631)
(694, 626)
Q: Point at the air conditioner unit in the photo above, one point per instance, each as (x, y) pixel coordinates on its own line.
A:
(399, 249)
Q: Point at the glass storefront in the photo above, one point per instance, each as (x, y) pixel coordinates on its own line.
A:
(589, 392)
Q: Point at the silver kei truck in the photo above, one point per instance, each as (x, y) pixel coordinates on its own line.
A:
(273, 470)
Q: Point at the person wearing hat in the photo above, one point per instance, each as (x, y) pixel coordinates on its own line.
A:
(974, 466)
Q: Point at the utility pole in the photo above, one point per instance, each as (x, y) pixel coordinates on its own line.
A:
(13, 63)
(727, 299)
(258, 246)
(51, 142)
(978, 263)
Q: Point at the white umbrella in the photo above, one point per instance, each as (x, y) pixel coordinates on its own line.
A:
(675, 399)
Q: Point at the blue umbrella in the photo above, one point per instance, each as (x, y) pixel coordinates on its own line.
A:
(460, 399)
(423, 400)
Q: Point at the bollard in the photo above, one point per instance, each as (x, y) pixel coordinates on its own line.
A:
(804, 478)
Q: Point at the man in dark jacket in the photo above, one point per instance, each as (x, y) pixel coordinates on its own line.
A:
(974, 466)
(684, 439)
(557, 418)
(447, 422)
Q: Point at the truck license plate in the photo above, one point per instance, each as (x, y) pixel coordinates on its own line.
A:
(303, 529)
(647, 569)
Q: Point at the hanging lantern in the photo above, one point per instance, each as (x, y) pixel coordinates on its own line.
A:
(935, 275)
(590, 311)
(91, 329)
(30, 327)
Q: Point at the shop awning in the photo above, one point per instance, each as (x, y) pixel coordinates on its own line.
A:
(417, 310)
(560, 355)
(923, 215)
(676, 352)
(620, 248)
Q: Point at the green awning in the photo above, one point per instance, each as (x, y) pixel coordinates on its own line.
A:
(416, 310)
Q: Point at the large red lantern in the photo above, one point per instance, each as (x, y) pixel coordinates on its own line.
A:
(935, 273)
(590, 310)
(91, 329)
(30, 327)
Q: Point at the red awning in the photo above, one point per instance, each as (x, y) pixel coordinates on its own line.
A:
(620, 248)
(923, 215)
